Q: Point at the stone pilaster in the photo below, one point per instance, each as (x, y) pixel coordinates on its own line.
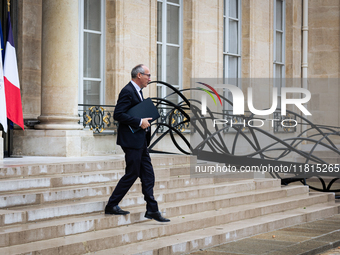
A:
(130, 40)
(29, 56)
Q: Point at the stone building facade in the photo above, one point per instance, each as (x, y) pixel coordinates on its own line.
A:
(79, 51)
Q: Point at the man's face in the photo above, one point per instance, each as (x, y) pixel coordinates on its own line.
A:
(144, 77)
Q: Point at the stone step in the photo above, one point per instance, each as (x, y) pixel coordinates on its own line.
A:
(26, 170)
(35, 213)
(66, 208)
(43, 195)
(35, 194)
(191, 241)
(80, 224)
(59, 180)
(70, 179)
(109, 238)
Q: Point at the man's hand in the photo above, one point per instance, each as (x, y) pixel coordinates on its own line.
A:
(145, 123)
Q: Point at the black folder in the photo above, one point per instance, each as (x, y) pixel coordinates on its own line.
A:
(144, 109)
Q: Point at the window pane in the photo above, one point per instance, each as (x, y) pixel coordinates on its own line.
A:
(173, 98)
(174, 1)
(233, 9)
(278, 76)
(231, 98)
(173, 24)
(278, 46)
(159, 21)
(225, 62)
(232, 67)
(159, 62)
(91, 55)
(172, 63)
(92, 92)
(279, 14)
(159, 91)
(92, 14)
(233, 36)
(225, 35)
(225, 7)
(278, 82)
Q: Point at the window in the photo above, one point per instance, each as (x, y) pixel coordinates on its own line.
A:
(91, 80)
(231, 45)
(279, 46)
(169, 46)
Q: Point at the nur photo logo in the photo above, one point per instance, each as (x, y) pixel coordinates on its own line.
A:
(204, 98)
(239, 101)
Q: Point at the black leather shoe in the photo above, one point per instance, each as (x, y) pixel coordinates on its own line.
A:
(115, 210)
(156, 216)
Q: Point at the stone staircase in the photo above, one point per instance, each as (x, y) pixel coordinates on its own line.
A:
(58, 209)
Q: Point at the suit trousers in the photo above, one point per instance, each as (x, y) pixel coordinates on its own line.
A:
(138, 164)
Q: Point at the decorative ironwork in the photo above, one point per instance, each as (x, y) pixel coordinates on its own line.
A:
(177, 119)
(276, 151)
(97, 117)
(289, 126)
(236, 120)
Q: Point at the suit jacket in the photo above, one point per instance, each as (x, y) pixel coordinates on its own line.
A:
(128, 97)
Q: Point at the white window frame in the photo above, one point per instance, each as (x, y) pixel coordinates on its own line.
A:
(164, 44)
(81, 53)
(281, 83)
(226, 53)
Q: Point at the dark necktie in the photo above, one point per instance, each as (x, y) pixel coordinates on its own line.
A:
(141, 93)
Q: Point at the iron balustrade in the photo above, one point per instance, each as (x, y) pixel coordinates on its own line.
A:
(97, 117)
(213, 141)
(184, 116)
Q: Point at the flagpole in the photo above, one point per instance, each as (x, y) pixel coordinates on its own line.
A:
(8, 5)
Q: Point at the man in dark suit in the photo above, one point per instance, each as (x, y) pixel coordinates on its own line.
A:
(134, 145)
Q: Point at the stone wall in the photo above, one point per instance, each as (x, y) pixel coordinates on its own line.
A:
(29, 56)
(131, 40)
(323, 61)
(293, 38)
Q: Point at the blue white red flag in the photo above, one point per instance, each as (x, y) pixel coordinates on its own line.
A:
(3, 109)
(11, 78)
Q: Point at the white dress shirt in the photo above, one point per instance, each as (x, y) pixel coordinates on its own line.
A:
(138, 89)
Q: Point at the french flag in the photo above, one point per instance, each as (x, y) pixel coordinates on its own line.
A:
(11, 77)
(3, 109)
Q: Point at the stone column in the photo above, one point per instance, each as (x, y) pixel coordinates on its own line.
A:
(60, 65)
(59, 133)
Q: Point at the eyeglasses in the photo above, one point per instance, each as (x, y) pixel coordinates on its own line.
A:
(147, 74)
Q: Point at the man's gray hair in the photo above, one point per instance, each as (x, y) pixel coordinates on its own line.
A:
(137, 69)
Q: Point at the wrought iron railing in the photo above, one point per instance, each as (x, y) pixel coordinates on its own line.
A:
(97, 117)
(276, 149)
(289, 126)
(175, 120)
